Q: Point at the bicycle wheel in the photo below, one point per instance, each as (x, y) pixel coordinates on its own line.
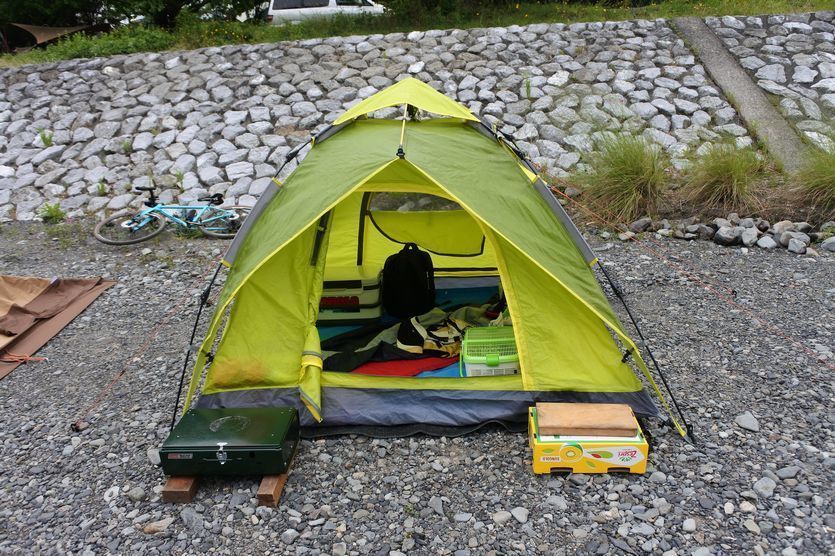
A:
(215, 224)
(126, 229)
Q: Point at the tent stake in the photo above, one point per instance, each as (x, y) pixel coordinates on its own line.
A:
(619, 293)
(204, 297)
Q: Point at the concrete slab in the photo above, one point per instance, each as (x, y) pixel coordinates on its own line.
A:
(752, 104)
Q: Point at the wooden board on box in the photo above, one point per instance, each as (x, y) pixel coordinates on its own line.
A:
(586, 419)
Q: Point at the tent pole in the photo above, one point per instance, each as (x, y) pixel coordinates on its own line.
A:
(400, 152)
(204, 297)
(619, 293)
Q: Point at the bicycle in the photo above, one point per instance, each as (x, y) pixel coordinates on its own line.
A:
(210, 219)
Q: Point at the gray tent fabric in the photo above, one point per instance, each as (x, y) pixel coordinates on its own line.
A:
(373, 407)
(414, 429)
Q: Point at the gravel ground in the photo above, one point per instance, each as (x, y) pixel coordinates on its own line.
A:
(755, 483)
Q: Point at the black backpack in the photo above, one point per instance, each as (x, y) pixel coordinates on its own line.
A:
(408, 283)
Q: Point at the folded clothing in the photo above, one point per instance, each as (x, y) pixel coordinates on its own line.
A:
(444, 337)
(377, 342)
(407, 367)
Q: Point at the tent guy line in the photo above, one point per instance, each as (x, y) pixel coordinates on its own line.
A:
(706, 285)
(79, 423)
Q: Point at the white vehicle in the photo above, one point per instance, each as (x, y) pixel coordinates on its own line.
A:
(282, 11)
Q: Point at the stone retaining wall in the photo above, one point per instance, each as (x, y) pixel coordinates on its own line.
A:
(791, 57)
(222, 119)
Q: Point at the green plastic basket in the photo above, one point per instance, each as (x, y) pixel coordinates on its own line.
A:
(489, 351)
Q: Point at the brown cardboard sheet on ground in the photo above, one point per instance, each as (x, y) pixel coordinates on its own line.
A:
(585, 419)
(37, 311)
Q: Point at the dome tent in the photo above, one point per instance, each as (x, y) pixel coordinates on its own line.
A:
(263, 339)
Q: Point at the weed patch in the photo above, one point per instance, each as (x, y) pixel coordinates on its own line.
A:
(51, 213)
(723, 177)
(46, 137)
(816, 181)
(627, 177)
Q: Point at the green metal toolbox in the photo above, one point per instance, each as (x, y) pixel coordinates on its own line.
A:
(232, 441)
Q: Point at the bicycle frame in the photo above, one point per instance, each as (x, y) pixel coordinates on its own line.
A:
(170, 212)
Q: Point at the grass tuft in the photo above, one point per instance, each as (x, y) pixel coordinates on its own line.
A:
(627, 177)
(723, 177)
(52, 213)
(180, 177)
(46, 137)
(816, 181)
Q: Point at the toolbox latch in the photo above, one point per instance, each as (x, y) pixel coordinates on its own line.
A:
(221, 455)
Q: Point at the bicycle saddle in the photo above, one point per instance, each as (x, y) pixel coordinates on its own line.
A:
(138, 188)
(216, 199)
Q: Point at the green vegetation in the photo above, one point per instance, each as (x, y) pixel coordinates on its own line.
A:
(51, 213)
(191, 31)
(627, 177)
(46, 137)
(124, 40)
(183, 232)
(723, 176)
(180, 177)
(817, 182)
(163, 13)
(101, 189)
(69, 234)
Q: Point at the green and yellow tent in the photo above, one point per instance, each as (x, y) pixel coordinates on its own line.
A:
(262, 347)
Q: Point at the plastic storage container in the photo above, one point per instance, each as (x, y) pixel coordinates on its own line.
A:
(489, 351)
(350, 296)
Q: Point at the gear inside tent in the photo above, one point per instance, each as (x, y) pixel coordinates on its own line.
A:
(300, 321)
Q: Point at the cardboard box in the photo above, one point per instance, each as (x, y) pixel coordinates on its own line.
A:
(586, 454)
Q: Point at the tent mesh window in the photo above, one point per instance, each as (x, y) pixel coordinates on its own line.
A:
(410, 202)
(433, 223)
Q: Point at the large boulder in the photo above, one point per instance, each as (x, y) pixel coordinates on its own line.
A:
(727, 235)
(749, 236)
(786, 237)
